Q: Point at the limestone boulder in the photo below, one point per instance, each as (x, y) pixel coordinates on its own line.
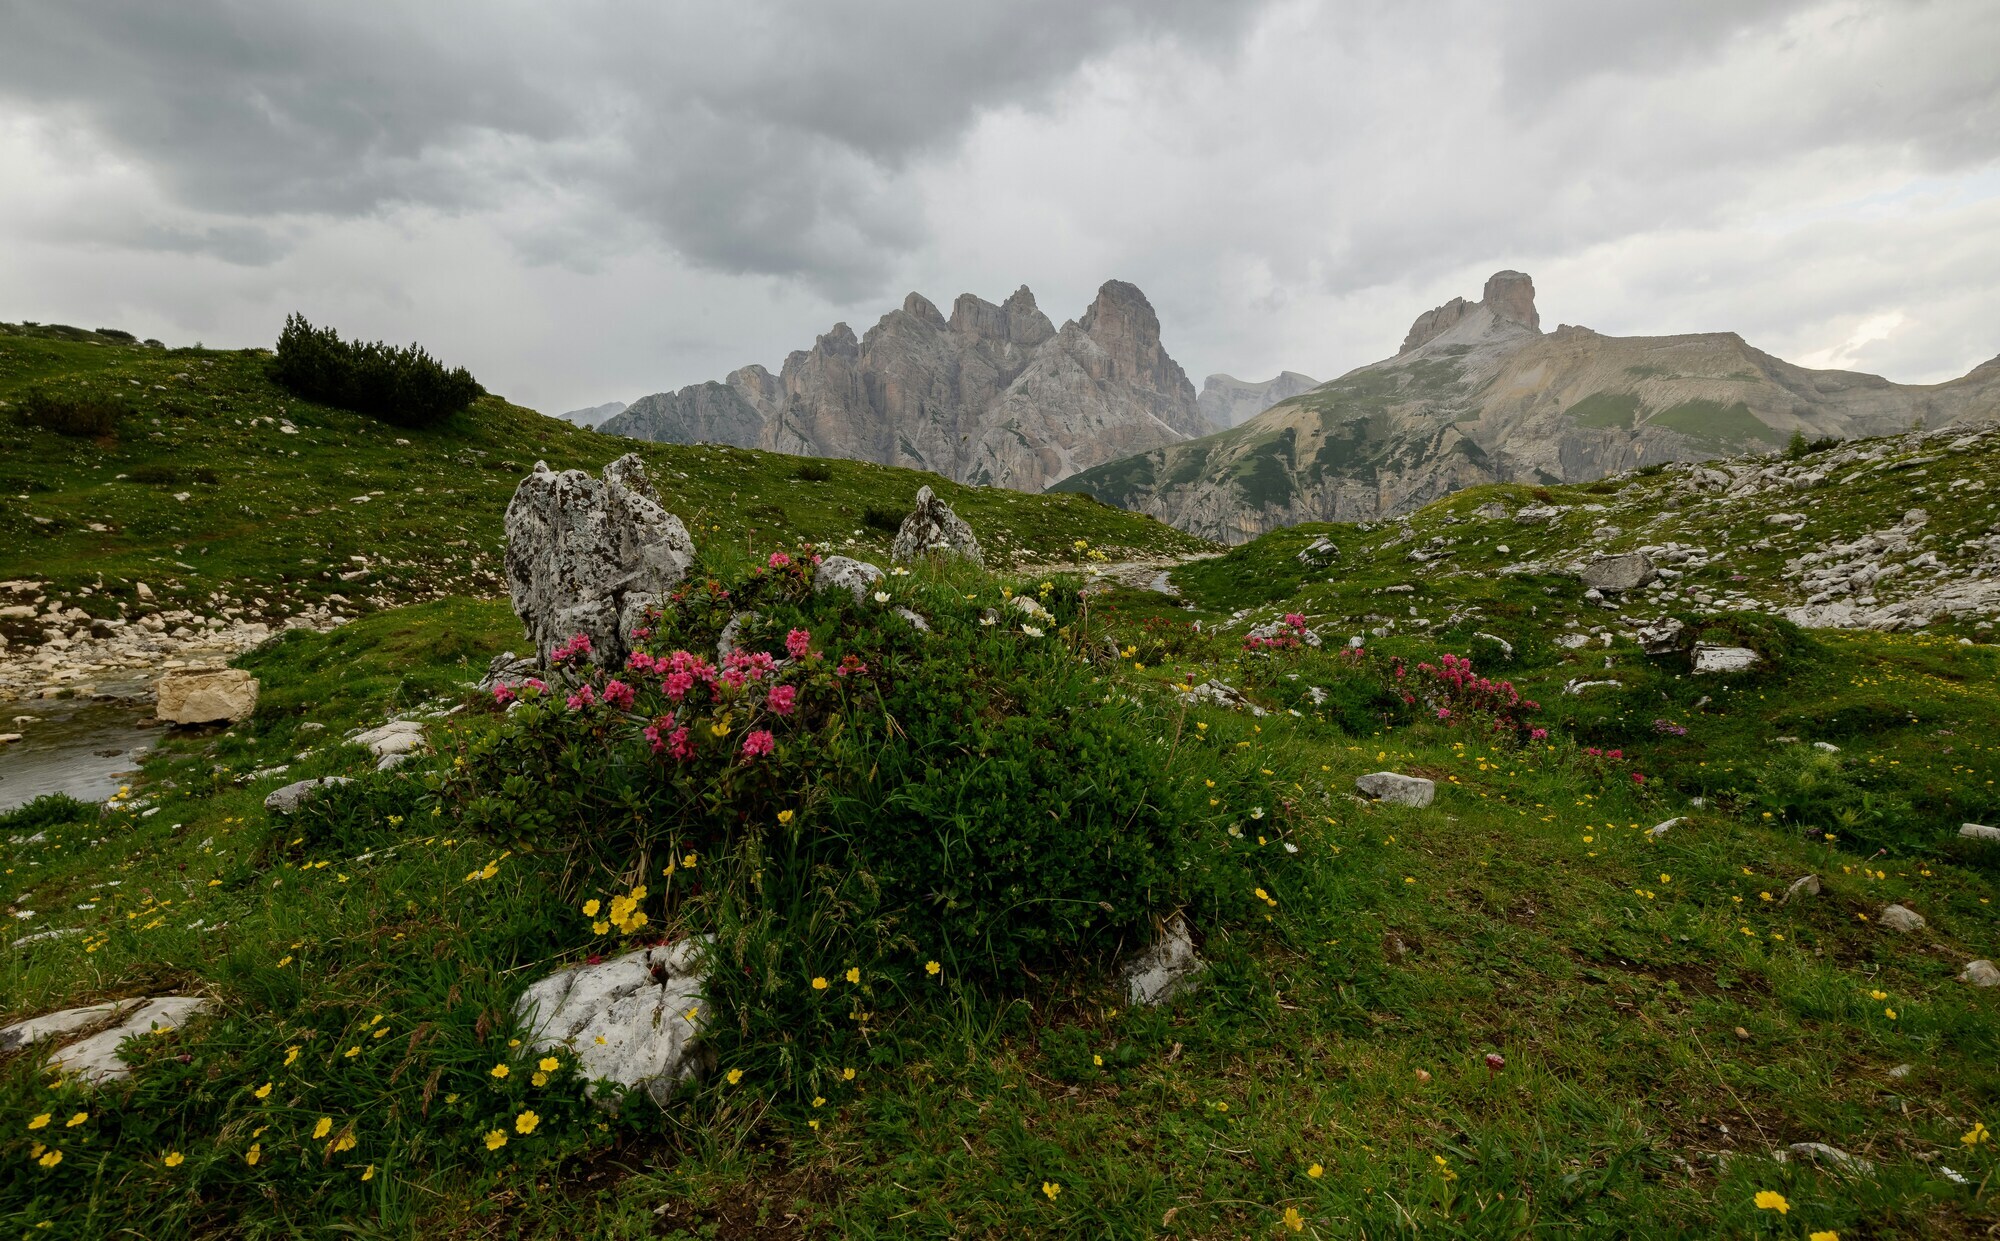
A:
(1397, 789)
(933, 529)
(210, 697)
(633, 1021)
(1614, 574)
(1980, 974)
(1900, 918)
(590, 555)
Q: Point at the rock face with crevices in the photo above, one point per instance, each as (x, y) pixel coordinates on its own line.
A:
(932, 529)
(589, 556)
(1619, 573)
(856, 577)
(634, 1021)
(993, 395)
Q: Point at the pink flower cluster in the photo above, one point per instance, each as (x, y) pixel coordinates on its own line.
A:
(667, 736)
(615, 694)
(740, 668)
(1453, 689)
(504, 693)
(576, 648)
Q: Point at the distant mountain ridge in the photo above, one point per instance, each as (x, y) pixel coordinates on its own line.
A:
(1227, 401)
(994, 395)
(1479, 393)
(592, 415)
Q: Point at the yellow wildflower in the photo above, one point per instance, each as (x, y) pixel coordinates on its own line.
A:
(173, 1159)
(1316, 1172)
(39, 1121)
(255, 1153)
(263, 1091)
(345, 1142)
(549, 1064)
(735, 1076)
(323, 1127)
(525, 1123)
(54, 1157)
(291, 1054)
(1771, 1200)
(1293, 1220)
(590, 907)
(854, 973)
(784, 818)
(368, 1173)
(495, 1140)
(819, 984)
(932, 967)
(500, 1070)
(1050, 1189)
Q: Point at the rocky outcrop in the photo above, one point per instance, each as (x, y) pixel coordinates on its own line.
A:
(592, 415)
(932, 529)
(995, 395)
(1164, 970)
(206, 697)
(1479, 393)
(94, 1060)
(1397, 789)
(856, 577)
(588, 556)
(1227, 401)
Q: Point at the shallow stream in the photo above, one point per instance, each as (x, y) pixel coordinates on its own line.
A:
(85, 747)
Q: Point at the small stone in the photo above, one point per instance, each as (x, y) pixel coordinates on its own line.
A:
(1979, 831)
(1980, 974)
(1397, 789)
(1164, 970)
(1660, 829)
(1742, 1035)
(1821, 1153)
(1897, 918)
(1804, 885)
(289, 798)
(1901, 1071)
(1423, 1078)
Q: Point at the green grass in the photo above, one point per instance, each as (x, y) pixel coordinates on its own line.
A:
(1605, 409)
(1722, 427)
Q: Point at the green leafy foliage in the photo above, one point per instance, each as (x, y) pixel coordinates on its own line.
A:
(78, 416)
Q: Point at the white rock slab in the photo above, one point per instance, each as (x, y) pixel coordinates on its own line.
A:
(1897, 918)
(95, 1060)
(1709, 658)
(1979, 831)
(1980, 974)
(68, 1021)
(289, 798)
(634, 1020)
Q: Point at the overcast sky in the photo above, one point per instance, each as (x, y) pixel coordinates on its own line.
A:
(593, 200)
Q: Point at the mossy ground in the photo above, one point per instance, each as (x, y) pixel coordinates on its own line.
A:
(1651, 1007)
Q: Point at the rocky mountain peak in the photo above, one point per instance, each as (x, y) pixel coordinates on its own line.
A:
(920, 306)
(1121, 322)
(1509, 297)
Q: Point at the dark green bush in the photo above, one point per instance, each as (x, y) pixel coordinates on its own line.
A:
(48, 810)
(1820, 792)
(877, 517)
(405, 386)
(813, 472)
(81, 416)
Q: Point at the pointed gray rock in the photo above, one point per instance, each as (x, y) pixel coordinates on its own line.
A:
(633, 1021)
(933, 529)
(1164, 970)
(589, 556)
(856, 577)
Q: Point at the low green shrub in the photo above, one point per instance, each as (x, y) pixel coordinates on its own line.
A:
(1820, 792)
(405, 386)
(813, 472)
(48, 810)
(172, 475)
(879, 517)
(77, 415)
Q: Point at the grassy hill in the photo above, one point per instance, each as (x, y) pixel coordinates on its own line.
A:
(216, 482)
(1521, 1010)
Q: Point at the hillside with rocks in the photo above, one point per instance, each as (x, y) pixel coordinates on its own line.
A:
(993, 396)
(716, 838)
(1479, 393)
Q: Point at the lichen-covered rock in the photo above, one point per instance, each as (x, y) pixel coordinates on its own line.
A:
(1980, 973)
(1164, 970)
(589, 556)
(634, 1020)
(206, 697)
(856, 577)
(933, 529)
(1397, 789)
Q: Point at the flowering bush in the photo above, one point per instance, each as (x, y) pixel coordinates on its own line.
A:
(1451, 691)
(963, 789)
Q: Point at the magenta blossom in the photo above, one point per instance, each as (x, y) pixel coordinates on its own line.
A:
(537, 684)
(783, 698)
(797, 643)
(779, 560)
(1538, 734)
(618, 694)
(758, 743)
(504, 694)
(575, 647)
(582, 698)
